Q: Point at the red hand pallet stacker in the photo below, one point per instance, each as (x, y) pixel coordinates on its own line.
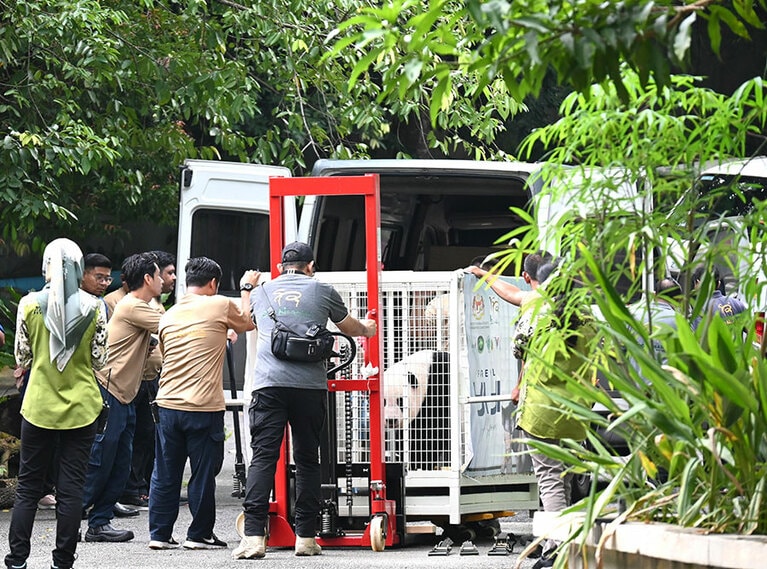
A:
(386, 523)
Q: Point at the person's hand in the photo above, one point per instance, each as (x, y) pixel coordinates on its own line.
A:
(18, 375)
(370, 327)
(474, 270)
(252, 277)
(231, 335)
(515, 395)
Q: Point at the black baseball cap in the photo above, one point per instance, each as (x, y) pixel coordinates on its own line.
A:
(297, 252)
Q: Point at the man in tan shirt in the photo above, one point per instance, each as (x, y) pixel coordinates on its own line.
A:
(136, 493)
(191, 403)
(130, 330)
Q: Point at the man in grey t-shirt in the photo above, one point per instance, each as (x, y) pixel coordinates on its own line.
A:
(288, 392)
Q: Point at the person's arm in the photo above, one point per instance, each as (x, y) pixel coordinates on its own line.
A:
(353, 327)
(507, 291)
(241, 320)
(99, 345)
(22, 348)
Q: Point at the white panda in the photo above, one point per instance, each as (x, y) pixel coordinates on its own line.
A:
(416, 398)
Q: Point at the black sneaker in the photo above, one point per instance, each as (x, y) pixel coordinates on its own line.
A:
(211, 542)
(108, 533)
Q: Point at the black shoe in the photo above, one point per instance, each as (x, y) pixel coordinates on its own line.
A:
(211, 542)
(545, 561)
(108, 533)
(136, 502)
(121, 511)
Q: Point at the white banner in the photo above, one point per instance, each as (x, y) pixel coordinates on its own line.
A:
(493, 372)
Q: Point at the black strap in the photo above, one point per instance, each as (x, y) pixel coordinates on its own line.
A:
(273, 315)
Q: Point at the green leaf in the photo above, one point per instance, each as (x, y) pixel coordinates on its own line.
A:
(731, 20)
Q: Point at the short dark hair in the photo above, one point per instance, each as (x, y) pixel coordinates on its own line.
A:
(93, 260)
(164, 258)
(135, 267)
(201, 270)
(700, 272)
(544, 271)
(533, 261)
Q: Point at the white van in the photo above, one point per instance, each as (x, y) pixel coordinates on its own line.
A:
(224, 215)
(436, 217)
(724, 198)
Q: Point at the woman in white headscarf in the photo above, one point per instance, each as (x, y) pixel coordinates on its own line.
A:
(61, 337)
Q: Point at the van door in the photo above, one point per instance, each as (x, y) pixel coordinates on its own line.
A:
(224, 215)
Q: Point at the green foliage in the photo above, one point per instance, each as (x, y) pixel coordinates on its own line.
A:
(509, 47)
(102, 100)
(695, 418)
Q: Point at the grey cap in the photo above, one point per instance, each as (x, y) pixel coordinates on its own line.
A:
(297, 252)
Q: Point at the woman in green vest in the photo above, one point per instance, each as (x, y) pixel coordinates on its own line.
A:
(61, 337)
(560, 351)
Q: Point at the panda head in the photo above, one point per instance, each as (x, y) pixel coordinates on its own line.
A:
(405, 387)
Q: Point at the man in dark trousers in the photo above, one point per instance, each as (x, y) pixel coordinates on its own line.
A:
(190, 403)
(290, 392)
(130, 330)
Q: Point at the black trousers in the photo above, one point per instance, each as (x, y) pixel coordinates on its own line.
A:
(142, 461)
(38, 449)
(270, 411)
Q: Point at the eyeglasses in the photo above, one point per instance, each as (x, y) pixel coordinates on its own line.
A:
(102, 279)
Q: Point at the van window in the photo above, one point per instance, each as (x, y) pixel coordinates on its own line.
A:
(428, 222)
(726, 195)
(237, 241)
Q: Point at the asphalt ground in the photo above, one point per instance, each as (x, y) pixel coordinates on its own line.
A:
(136, 553)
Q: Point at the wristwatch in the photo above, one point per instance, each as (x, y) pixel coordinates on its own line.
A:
(246, 286)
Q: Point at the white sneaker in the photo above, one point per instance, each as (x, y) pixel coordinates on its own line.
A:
(306, 546)
(170, 544)
(251, 547)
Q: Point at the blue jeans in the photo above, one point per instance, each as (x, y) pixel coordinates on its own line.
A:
(271, 409)
(198, 435)
(38, 448)
(110, 461)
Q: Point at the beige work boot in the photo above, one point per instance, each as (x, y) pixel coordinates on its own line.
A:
(251, 547)
(306, 546)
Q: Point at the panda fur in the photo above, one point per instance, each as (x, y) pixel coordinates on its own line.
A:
(417, 398)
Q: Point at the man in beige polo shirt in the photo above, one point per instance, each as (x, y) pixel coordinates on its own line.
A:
(130, 330)
(191, 403)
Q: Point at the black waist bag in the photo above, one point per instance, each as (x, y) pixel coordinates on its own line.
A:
(315, 346)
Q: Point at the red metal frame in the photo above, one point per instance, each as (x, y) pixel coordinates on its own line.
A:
(280, 532)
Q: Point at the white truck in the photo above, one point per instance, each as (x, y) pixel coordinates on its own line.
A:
(726, 226)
